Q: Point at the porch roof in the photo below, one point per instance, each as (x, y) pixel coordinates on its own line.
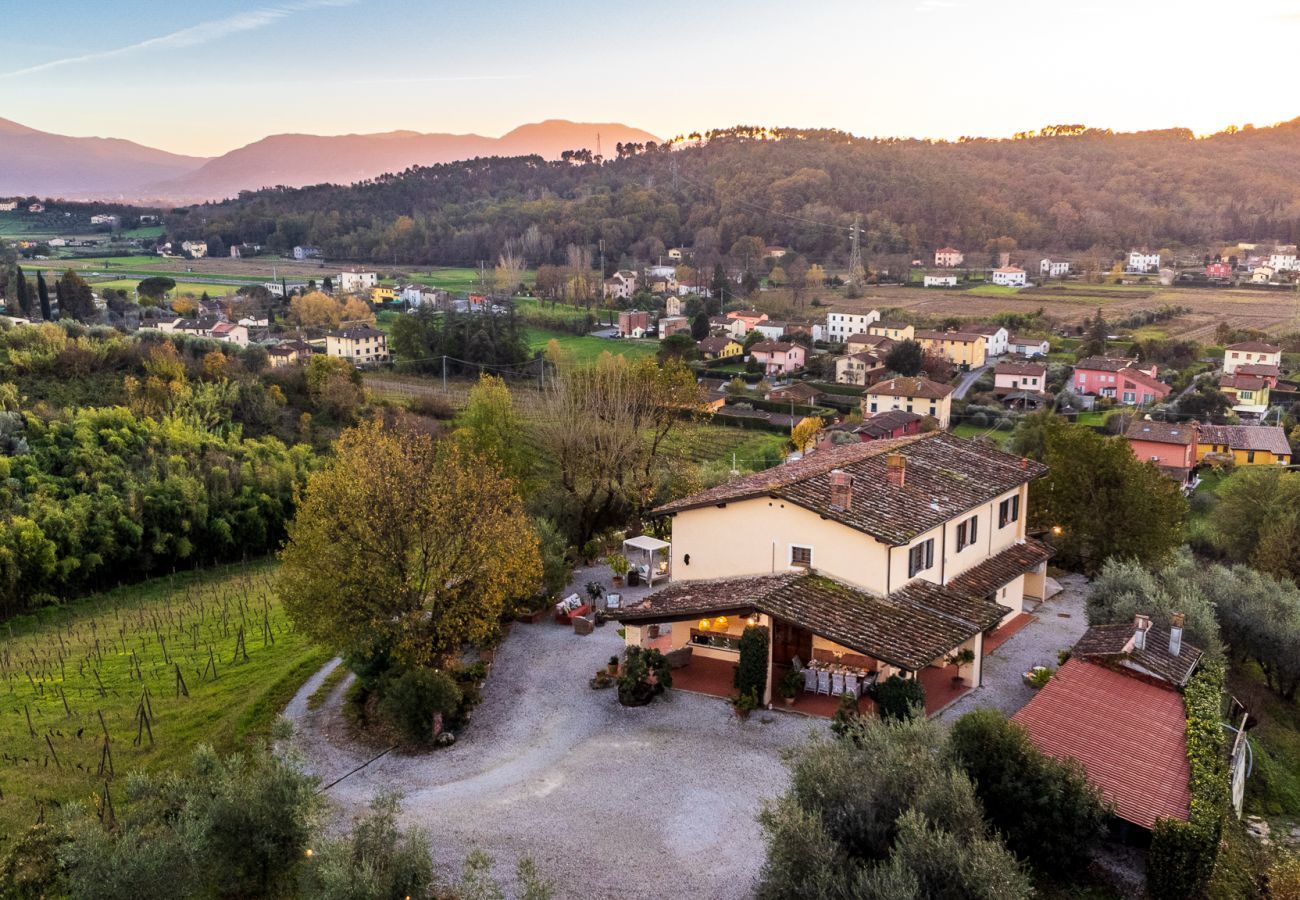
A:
(1002, 568)
(647, 543)
(909, 628)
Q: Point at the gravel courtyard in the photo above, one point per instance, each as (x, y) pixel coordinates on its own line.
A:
(612, 802)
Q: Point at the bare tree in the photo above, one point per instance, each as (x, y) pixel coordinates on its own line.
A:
(510, 268)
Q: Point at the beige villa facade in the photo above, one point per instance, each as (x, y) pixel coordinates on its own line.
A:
(895, 554)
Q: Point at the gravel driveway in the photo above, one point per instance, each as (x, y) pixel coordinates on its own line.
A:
(1059, 623)
(610, 802)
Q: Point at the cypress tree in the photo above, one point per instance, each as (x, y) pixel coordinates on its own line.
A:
(24, 301)
(44, 293)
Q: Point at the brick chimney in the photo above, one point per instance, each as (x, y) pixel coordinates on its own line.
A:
(896, 469)
(1176, 633)
(841, 489)
(1141, 625)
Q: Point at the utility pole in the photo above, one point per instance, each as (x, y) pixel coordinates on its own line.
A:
(855, 252)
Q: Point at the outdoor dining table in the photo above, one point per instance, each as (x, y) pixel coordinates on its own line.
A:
(866, 678)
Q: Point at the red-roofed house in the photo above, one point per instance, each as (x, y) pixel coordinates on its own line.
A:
(1124, 380)
(1129, 734)
(1170, 445)
(750, 317)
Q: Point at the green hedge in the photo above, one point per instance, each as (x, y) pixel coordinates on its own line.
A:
(751, 670)
(1183, 854)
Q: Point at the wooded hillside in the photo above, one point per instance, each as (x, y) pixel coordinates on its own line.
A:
(1068, 192)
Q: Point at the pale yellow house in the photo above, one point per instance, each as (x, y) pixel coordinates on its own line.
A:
(382, 293)
(1250, 353)
(918, 395)
(959, 348)
(1244, 445)
(895, 331)
(362, 345)
(888, 557)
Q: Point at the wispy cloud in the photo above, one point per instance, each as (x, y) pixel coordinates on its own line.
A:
(194, 36)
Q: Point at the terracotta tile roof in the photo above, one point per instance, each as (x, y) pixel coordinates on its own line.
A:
(357, 333)
(1104, 363)
(885, 423)
(1130, 736)
(1254, 347)
(870, 340)
(1142, 378)
(947, 250)
(911, 387)
(1001, 569)
(1009, 270)
(1263, 370)
(910, 628)
(946, 476)
(1242, 382)
(961, 337)
(1113, 645)
(797, 391)
(1247, 437)
(715, 344)
(1161, 432)
(1017, 339)
(1021, 368)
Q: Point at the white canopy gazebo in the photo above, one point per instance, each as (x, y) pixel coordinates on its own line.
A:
(649, 556)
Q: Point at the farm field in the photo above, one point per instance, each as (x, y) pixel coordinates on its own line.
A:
(119, 652)
(587, 349)
(1276, 313)
(182, 287)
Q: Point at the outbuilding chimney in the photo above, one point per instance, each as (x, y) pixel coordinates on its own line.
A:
(896, 469)
(841, 489)
(1176, 633)
(1141, 625)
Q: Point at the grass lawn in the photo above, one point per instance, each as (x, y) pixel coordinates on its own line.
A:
(182, 287)
(66, 665)
(459, 279)
(703, 442)
(993, 290)
(999, 436)
(587, 349)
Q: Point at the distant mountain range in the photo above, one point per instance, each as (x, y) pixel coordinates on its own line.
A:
(52, 165)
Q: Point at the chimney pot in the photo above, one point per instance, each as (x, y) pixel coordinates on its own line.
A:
(841, 489)
(896, 469)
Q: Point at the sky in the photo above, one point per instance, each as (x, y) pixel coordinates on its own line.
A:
(206, 78)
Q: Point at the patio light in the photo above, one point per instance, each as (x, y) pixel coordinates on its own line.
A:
(720, 622)
(704, 624)
(1057, 530)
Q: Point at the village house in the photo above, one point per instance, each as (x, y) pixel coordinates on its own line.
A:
(918, 395)
(673, 324)
(1116, 708)
(306, 253)
(382, 294)
(1243, 445)
(1050, 268)
(840, 326)
(362, 345)
(958, 347)
(1142, 262)
(733, 327)
(196, 249)
(892, 423)
(1249, 394)
(1283, 259)
(775, 252)
(887, 557)
(771, 329)
(674, 306)
(1121, 379)
(778, 357)
(799, 393)
(747, 317)
(1171, 446)
(863, 368)
(721, 347)
(939, 281)
(230, 333)
(995, 338)
(288, 353)
(677, 254)
(1009, 276)
(895, 331)
(859, 342)
(633, 323)
(1251, 352)
(1218, 271)
(1262, 275)
(948, 257)
(620, 286)
(8, 206)
(105, 219)
(1027, 346)
(353, 281)
(697, 287)
(1015, 375)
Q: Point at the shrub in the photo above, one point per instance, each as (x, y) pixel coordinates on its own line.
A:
(411, 700)
(636, 687)
(433, 407)
(1047, 811)
(751, 671)
(1183, 854)
(899, 698)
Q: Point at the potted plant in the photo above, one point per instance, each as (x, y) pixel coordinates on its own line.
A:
(1038, 676)
(963, 657)
(790, 685)
(613, 665)
(618, 564)
(595, 590)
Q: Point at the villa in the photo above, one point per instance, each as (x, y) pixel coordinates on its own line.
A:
(890, 557)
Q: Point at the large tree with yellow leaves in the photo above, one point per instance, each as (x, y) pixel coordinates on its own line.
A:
(406, 545)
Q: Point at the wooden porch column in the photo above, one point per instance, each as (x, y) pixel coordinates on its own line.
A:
(766, 621)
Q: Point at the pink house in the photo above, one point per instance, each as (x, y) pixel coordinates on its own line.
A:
(778, 357)
(1170, 445)
(750, 318)
(1123, 380)
(1218, 270)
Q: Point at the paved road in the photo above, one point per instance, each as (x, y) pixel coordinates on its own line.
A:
(967, 380)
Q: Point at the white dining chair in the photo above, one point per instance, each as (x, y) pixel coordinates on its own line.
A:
(823, 682)
(837, 684)
(810, 680)
(852, 685)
